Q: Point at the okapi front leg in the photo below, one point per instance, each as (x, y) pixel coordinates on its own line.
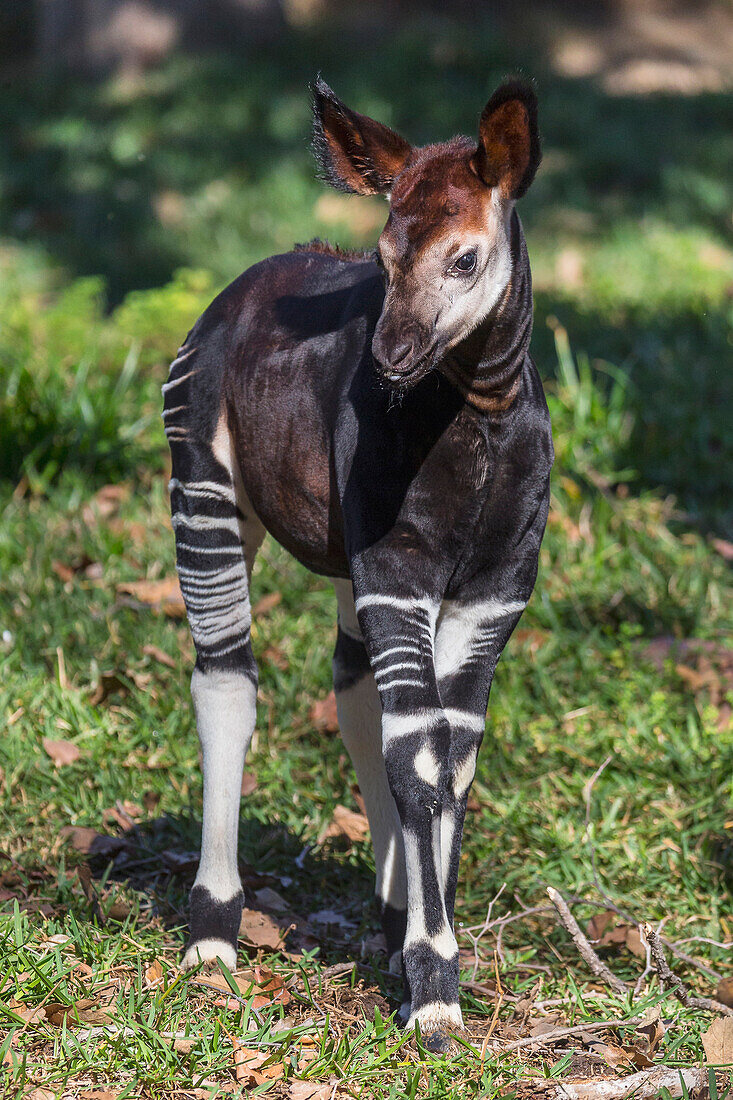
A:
(416, 744)
(470, 637)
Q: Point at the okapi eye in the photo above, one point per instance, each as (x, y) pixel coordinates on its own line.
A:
(466, 262)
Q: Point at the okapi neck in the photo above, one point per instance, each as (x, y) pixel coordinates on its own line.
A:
(487, 366)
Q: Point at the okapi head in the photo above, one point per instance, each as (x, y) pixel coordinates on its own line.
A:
(445, 249)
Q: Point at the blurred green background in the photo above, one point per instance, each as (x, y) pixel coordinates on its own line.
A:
(137, 139)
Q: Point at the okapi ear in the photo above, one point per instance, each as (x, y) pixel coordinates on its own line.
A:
(355, 153)
(508, 153)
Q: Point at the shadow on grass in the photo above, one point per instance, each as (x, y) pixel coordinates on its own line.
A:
(158, 860)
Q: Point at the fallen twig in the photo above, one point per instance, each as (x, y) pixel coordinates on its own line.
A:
(674, 948)
(550, 1037)
(667, 977)
(648, 1084)
(570, 924)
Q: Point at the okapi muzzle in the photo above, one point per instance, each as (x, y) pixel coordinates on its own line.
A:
(427, 513)
(403, 348)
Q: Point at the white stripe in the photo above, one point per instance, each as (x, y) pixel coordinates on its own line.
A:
(218, 576)
(465, 719)
(176, 409)
(181, 357)
(464, 628)
(202, 488)
(225, 551)
(421, 603)
(401, 683)
(400, 725)
(206, 523)
(412, 648)
(177, 381)
(396, 668)
(443, 942)
(176, 433)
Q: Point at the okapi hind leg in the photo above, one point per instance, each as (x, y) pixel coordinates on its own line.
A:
(360, 722)
(217, 536)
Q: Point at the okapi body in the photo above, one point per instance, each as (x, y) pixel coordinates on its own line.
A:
(381, 417)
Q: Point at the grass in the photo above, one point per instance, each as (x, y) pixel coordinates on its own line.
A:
(633, 264)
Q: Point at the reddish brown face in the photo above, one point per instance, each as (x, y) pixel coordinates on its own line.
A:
(445, 247)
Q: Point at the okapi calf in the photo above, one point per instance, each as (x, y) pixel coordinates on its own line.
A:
(381, 417)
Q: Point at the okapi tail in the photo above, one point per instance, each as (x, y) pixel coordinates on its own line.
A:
(210, 525)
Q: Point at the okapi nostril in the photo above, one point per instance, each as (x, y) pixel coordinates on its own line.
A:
(400, 354)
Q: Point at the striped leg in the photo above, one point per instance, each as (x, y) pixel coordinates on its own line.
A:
(416, 744)
(470, 637)
(214, 523)
(360, 721)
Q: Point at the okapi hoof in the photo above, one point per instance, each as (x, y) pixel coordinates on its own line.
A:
(439, 1042)
(438, 1022)
(214, 929)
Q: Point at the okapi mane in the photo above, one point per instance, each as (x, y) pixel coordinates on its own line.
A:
(352, 255)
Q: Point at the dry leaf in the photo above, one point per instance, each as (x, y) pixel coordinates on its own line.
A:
(323, 714)
(717, 1042)
(266, 604)
(61, 752)
(83, 1011)
(271, 986)
(270, 899)
(724, 992)
(159, 655)
(605, 932)
(246, 1062)
(164, 595)
(153, 975)
(311, 1090)
(613, 1055)
(249, 783)
(330, 916)
(90, 842)
(346, 823)
(125, 814)
(259, 929)
(99, 1094)
(184, 1046)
